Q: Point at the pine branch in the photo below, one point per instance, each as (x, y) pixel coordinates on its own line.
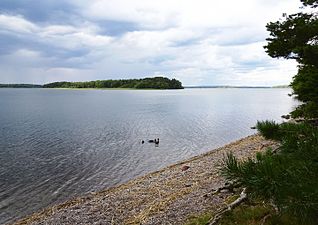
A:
(237, 202)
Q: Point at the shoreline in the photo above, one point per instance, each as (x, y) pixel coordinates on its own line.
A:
(170, 195)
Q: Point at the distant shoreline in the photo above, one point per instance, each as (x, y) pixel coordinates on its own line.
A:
(21, 86)
(228, 86)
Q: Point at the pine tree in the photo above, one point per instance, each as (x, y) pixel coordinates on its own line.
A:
(288, 177)
(296, 37)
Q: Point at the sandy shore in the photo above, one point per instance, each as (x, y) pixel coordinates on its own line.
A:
(168, 196)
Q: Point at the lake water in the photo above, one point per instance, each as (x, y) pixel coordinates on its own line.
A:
(58, 144)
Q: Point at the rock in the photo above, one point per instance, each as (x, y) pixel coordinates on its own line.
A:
(184, 168)
(287, 117)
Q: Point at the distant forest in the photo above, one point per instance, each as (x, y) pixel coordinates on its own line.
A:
(20, 86)
(145, 83)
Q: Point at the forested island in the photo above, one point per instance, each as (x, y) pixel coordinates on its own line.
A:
(145, 83)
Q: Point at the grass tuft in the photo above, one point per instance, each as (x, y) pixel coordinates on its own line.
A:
(269, 129)
(202, 219)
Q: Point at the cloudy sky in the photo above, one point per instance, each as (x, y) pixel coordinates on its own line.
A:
(200, 42)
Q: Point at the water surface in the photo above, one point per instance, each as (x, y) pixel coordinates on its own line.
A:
(58, 144)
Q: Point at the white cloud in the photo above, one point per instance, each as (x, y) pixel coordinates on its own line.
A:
(23, 58)
(147, 14)
(280, 73)
(16, 24)
(187, 13)
(70, 74)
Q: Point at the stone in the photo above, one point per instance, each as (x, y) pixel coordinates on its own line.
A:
(184, 168)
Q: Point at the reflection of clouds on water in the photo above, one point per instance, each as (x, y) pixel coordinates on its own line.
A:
(56, 144)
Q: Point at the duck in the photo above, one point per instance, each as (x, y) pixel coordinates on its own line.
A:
(156, 141)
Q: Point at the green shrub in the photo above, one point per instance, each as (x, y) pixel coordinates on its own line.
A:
(269, 129)
(202, 219)
(254, 213)
(287, 178)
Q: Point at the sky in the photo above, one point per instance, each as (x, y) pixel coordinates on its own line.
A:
(199, 42)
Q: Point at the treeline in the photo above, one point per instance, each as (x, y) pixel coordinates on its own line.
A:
(20, 86)
(145, 83)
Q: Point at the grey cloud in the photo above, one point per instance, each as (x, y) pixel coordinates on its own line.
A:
(116, 28)
(187, 42)
(236, 35)
(10, 43)
(159, 60)
(62, 12)
(240, 41)
(48, 11)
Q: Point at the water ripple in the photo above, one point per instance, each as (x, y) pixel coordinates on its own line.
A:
(57, 144)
